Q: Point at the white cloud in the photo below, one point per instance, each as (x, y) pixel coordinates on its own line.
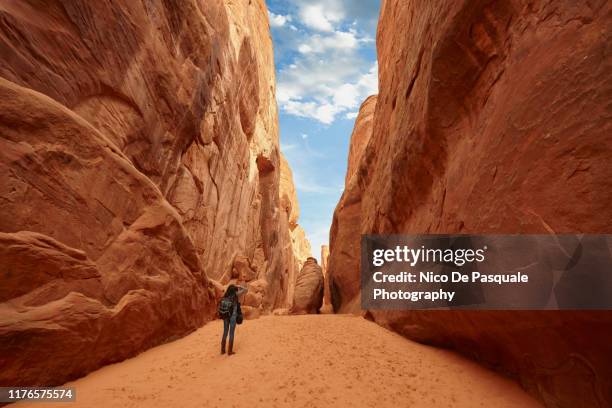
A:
(369, 81)
(324, 113)
(329, 76)
(346, 96)
(278, 20)
(305, 49)
(321, 15)
(351, 115)
(322, 91)
(338, 40)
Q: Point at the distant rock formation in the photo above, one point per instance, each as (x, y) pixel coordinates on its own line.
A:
(324, 258)
(140, 173)
(491, 117)
(308, 297)
(324, 265)
(298, 246)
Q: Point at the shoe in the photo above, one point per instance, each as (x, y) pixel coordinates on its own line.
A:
(230, 351)
(223, 349)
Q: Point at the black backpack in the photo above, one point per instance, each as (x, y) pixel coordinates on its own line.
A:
(239, 317)
(226, 307)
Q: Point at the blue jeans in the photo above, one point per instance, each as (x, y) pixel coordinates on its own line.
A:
(231, 325)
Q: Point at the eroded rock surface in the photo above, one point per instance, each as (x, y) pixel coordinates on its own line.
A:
(492, 117)
(140, 173)
(308, 297)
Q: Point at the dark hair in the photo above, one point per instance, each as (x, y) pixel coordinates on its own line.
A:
(230, 291)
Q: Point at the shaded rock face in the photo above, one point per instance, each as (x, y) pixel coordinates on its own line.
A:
(492, 117)
(345, 233)
(308, 297)
(139, 171)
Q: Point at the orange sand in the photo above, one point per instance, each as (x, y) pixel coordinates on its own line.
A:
(297, 361)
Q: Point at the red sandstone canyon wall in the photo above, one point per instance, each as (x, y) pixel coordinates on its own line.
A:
(140, 173)
(491, 117)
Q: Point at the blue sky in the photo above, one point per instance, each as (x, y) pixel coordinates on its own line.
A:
(325, 56)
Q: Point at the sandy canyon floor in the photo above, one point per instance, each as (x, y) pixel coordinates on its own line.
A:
(297, 361)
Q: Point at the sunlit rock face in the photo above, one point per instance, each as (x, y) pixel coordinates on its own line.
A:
(492, 117)
(140, 173)
(291, 206)
(325, 269)
(295, 244)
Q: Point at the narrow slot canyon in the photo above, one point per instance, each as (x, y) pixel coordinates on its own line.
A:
(145, 170)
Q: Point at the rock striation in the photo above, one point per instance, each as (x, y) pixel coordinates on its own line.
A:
(140, 172)
(308, 297)
(491, 117)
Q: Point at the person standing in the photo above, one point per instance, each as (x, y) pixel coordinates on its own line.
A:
(229, 311)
